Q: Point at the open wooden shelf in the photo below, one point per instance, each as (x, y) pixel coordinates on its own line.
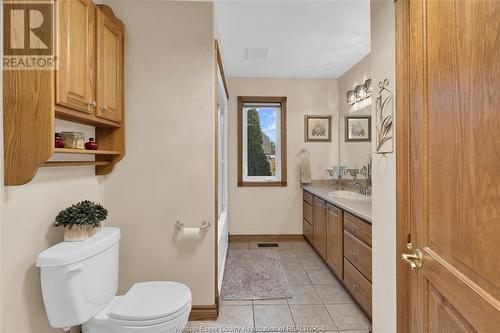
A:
(87, 152)
(74, 163)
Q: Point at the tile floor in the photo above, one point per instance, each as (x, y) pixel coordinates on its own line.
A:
(319, 302)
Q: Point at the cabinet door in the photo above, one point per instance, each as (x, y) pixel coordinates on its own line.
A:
(334, 240)
(75, 77)
(109, 65)
(320, 226)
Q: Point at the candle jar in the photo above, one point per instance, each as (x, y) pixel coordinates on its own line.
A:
(59, 141)
(91, 144)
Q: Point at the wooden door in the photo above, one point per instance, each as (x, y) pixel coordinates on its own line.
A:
(334, 240)
(75, 77)
(110, 32)
(320, 226)
(454, 158)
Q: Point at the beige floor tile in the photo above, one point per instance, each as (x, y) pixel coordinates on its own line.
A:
(240, 316)
(297, 277)
(322, 277)
(272, 317)
(310, 264)
(291, 264)
(235, 302)
(301, 245)
(238, 246)
(269, 301)
(305, 294)
(287, 254)
(309, 317)
(348, 316)
(307, 254)
(332, 294)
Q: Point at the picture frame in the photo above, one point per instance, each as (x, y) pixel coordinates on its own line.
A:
(358, 129)
(318, 128)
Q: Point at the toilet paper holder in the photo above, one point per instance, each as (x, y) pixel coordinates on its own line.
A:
(203, 226)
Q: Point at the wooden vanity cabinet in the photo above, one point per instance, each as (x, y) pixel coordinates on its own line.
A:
(320, 226)
(334, 240)
(344, 241)
(308, 217)
(358, 260)
(75, 76)
(110, 31)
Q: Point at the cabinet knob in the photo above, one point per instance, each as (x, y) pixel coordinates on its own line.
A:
(93, 104)
(355, 286)
(104, 108)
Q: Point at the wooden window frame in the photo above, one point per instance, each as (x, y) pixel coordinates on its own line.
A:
(262, 99)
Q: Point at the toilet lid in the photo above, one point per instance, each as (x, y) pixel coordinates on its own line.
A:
(152, 300)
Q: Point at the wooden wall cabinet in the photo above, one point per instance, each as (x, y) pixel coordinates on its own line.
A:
(34, 98)
(75, 77)
(320, 226)
(334, 240)
(109, 65)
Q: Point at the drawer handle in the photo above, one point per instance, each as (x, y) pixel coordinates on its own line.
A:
(355, 285)
(355, 253)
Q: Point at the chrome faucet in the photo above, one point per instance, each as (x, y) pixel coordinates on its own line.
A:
(365, 190)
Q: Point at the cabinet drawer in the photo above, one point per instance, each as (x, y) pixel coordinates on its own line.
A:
(359, 254)
(359, 286)
(308, 212)
(308, 231)
(358, 228)
(308, 197)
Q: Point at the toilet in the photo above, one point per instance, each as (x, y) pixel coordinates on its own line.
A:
(79, 282)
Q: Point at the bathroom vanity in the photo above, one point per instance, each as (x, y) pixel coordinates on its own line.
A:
(340, 231)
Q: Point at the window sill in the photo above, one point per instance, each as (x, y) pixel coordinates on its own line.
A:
(262, 184)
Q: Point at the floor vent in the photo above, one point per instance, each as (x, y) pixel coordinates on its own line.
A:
(268, 245)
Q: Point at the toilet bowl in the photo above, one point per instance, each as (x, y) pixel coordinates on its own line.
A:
(79, 283)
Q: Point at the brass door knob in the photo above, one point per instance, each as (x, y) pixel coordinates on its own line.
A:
(415, 259)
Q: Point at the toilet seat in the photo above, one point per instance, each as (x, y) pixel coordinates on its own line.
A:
(148, 305)
(151, 301)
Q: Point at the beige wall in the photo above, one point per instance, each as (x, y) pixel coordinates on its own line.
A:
(168, 173)
(27, 213)
(384, 177)
(353, 154)
(278, 210)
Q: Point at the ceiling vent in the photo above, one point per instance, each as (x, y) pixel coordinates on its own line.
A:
(257, 53)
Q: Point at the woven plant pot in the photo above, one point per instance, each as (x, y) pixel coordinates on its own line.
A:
(78, 233)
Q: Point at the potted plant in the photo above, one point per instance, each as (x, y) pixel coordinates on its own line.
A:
(81, 221)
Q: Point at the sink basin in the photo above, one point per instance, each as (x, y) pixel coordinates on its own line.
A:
(348, 195)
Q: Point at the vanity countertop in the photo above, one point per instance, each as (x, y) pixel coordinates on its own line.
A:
(360, 208)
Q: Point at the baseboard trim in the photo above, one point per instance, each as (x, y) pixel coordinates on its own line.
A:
(267, 238)
(203, 312)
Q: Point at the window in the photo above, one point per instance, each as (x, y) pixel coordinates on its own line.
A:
(261, 141)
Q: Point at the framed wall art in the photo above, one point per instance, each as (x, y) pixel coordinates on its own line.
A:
(358, 128)
(317, 128)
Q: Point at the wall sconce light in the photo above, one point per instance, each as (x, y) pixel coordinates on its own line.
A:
(360, 92)
(351, 99)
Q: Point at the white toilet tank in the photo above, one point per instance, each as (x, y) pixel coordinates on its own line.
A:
(79, 278)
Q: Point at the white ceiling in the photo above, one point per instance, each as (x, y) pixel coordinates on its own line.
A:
(305, 38)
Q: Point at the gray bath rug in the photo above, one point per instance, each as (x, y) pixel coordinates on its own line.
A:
(254, 274)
